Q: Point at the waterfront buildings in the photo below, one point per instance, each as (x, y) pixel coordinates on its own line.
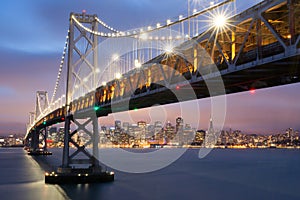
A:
(179, 134)
(12, 141)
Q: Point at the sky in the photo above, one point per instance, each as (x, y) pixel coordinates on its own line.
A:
(32, 40)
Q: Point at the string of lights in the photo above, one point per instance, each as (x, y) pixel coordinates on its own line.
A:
(43, 110)
(141, 32)
(137, 33)
(63, 57)
(105, 25)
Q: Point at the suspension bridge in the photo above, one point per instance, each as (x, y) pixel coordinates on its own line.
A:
(209, 52)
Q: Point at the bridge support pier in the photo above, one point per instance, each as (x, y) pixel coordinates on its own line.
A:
(81, 165)
(81, 156)
(45, 136)
(35, 142)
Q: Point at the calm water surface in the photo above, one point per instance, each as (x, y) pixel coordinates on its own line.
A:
(21, 177)
(223, 174)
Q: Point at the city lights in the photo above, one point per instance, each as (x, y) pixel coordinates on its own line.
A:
(129, 100)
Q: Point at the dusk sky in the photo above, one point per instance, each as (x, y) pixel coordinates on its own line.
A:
(32, 40)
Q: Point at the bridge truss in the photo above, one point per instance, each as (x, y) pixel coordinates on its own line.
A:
(257, 48)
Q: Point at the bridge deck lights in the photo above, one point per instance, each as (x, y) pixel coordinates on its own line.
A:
(118, 75)
(168, 49)
(96, 108)
(144, 36)
(115, 57)
(137, 64)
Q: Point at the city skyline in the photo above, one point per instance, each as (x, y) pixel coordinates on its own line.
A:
(31, 47)
(159, 135)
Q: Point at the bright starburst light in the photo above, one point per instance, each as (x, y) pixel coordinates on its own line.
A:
(219, 21)
(169, 49)
(118, 75)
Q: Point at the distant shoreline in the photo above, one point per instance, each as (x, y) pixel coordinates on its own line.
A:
(189, 147)
(12, 146)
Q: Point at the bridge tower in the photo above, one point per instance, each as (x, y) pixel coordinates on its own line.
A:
(81, 59)
(28, 140)
(41, 105)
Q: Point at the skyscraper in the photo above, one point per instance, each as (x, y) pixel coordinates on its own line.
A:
(126, 126)
(118, 125)
(179, 124)
(179, 131)
(210, 139)
(142, 126)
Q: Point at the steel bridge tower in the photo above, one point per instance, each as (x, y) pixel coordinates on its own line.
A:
(77, 58)
(41, 105)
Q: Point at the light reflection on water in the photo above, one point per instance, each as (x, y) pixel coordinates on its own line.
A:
(23, 178)
(223, 174)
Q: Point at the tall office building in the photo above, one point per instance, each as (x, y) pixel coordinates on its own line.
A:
(158, 127)
(142, 129)
(210, 139)
(179, 131)
(179, 124)
(118, 125)
(126, 126)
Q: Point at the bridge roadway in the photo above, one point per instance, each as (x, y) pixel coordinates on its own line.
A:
(261, 50)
